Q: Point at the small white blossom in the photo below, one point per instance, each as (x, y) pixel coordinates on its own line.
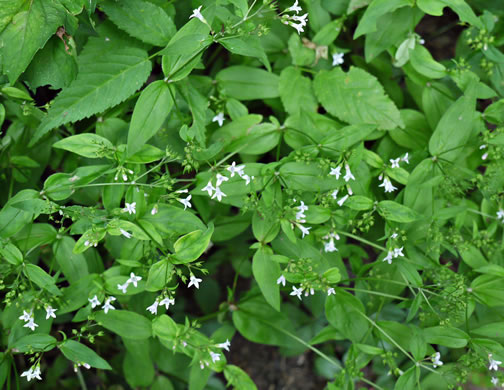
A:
(300, 19)
(31, 324)
(336, 172)
(342, 200)
(246, 178)
(335, 194)
(220, 179)
(395, 163)
(130, 208)
(33, 372)
(394, 235)
(495, 381)
(123, 287)
(298, 27)
(219, 118)
(302, 207)
(125, 233)
(500, 214)
(294, 8)
(236, 169)
(94, 302)
(184, 191)
(167, 302)
(330, 247)
(349, 189)
(108, 305)
(225, 345)
(153, 308)
(436, 360)
(186, 202)
(134, 279)
(194, 281)
(494, 364)
(388, 186)
(197, 14)
(209, 188)
(215, 356)
(154, 210)
(297, 292)
(398, 252)
(337, 59)
(485, 156)
(331, 291)
(348, 174)
(26, 315)
(281, 280)
(389, 257)
(218, 194)
(405, 158)
(50, 312)
(304, 230)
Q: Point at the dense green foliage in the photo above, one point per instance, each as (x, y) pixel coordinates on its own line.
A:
(309, 175)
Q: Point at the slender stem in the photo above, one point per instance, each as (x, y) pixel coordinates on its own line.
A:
(81, 379)
(375, 293)
(371, 383)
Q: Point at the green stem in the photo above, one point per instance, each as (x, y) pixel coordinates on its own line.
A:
(81, 379)
(375, 293)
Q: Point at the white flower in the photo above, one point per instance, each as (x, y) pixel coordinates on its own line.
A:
(405, 158)
(31, 324)
(500, 214)
(94, 302)
(167, 302)
(130, 208)
(219, 118)
(300, 19)
(387, 184)
(389, 257)
(436, 360)
(33, 372)
(218, 194)
(398, 252)
(394, 235)
(294, 8)
(215, 356)
(123, 287)
(348, 174)
(209, 188)
(197, 14)
(225, 345)
(302, 207)
(297, 291)
(85, 365)
(125, 233)
(134, 279)
(349, 189)
(246, 178)
(485, 156)
(494, 364)
(299, 27)
(342, 200)
(336, 172)
(395, 163)
(495, 381)
(154, 210)
(329, 246)
(331, 291)
(421, 41)
(153, 308)
(281, 280)
(50, 312)
(186, 202)
(194, 281)
(335, 194)
(304, 230)
(337, 59)
(236, 169)
(26, 315)
(108, 305)
(220, 179)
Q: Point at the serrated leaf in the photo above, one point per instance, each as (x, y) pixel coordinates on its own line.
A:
(26, 32)
(296, 91)
(141, 19)
(108, 74)
(356, 97)
(248, 45)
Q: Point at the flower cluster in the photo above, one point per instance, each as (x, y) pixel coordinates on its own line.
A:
(233, 169)
(32, 373)
(300, 218)
(160, 301)
(394, 253)
(329, 246)
(336, 172)
(295, 21)
(106, 306)
(29, 320)
(133, 279)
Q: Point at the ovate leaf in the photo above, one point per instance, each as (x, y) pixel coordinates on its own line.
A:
(127, 324)
(246, 83)
(108, 74)
(80, 353)
(393, 211)
(266, 272)
(356, 97)
(87, 145)
(296, 91)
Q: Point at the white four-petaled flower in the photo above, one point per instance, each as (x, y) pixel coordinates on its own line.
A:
(337, 59)
(281, 280)
(495, 381)
(233, 168)
(336, 172)
(388, 186)
(130, 208)
(50, 312)
(209, 188)
(197, 14)
(33, 372)
(220, 179)
(219, 118)
(225, 345)
(395, 163)
(31, 324)
(186, 202)
(153, 308)
(342, 200)
(297, 292)
(167, 302)
(331, 291)
(123, 287)
(494, 364)
(94, 302)
(436, 360)
(194, 281)
(215, 356)
(134, 279)
(125, 233)
(295, 7)
(26, 315)
(108, 304)
(218, 194)
(389, 257)
(304, 230)
(405, 158)
(348, 174)
(500, 214)
(329, 246)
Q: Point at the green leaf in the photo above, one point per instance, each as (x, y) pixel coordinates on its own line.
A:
(247, 45)
(246, 83)
(141, 19)
(151, 109)
(74, 266)
(26, 32)
(108, 74)
(238, 378)
(359, 202)
(266, 272)
(11, 253)
(342, 139)
(423, 63)
(41, 278)
(343, 311)
(160, 274)
(489, 289)
(306, 177)
(138, 367)
(164, 328)
(296, 91)
(127, 324)
(408, 380)
(38, 342)
(463, 10)
(174, 220)
(393, 211)
(375, 10)
(455, 127)
(191, 246)
(87, 145)
(80, 353)
(332, 275)
(356, 97)
(446, 335)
